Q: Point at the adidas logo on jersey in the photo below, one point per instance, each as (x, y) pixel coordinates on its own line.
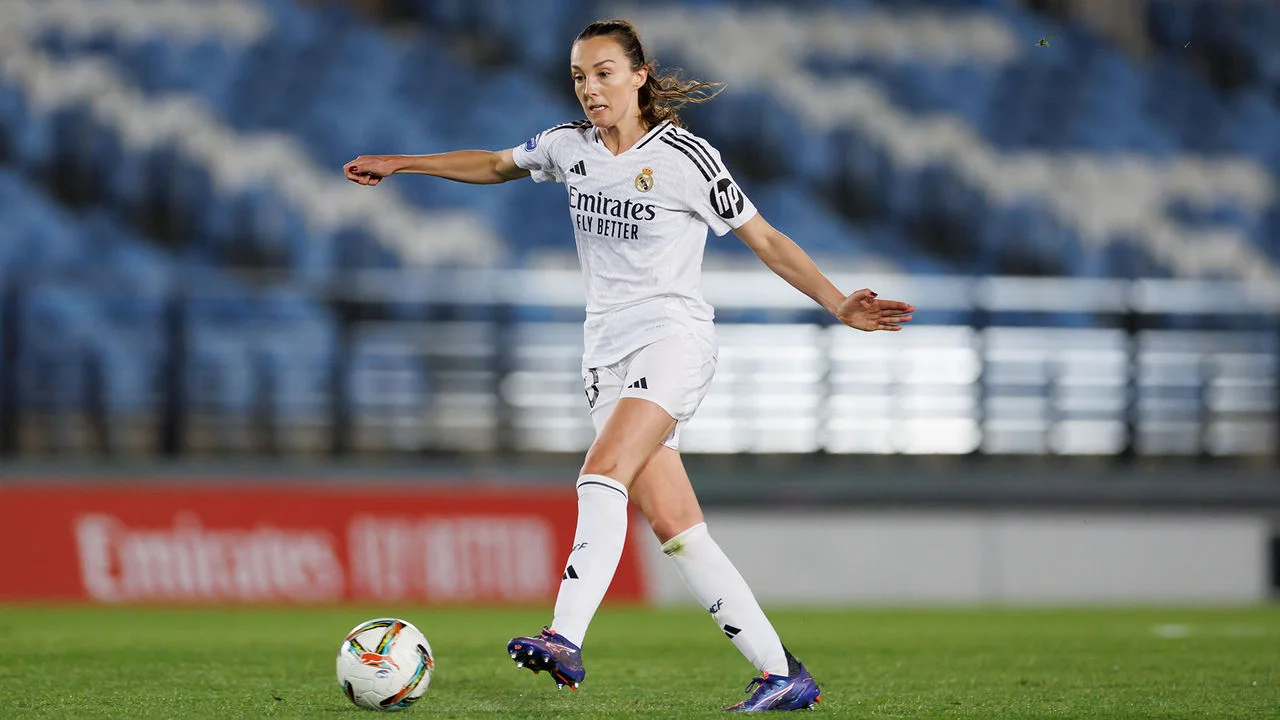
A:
(580, 168)
(642, 384)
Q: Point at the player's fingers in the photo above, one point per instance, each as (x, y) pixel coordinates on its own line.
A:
(894, 305)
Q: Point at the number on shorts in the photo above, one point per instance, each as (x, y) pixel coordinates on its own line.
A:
(593, 391)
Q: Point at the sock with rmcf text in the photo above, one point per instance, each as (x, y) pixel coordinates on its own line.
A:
(721, 589)
(597, 548)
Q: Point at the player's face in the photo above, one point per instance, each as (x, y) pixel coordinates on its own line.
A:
(606, 85)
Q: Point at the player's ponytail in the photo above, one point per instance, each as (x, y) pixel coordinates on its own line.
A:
(663, 94)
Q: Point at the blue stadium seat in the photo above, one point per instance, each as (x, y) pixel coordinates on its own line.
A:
(296, 360)
(131, 373)
(387, 384)
(55, 327)
(220, 376)
(812, 226)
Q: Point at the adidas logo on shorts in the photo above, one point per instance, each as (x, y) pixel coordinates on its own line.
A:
(642, 384)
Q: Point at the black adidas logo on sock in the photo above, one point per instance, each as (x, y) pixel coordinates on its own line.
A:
(570, 574)
(580, 168)
(730, 631)
(642, 383)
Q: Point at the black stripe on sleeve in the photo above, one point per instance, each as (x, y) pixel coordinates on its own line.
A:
(692, 158)
(701, 148)
(593, 482)
(661, 129)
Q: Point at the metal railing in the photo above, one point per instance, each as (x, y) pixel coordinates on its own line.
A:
(441, 362)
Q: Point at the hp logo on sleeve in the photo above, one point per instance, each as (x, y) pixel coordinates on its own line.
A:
(727, 199)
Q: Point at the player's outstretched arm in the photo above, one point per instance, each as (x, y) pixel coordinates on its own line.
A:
(861, 309)
(479, 167)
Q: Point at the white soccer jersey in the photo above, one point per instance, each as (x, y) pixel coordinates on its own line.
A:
(640, 220)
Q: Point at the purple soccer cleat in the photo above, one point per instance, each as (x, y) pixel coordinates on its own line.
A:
(551, 652)
(796, 691)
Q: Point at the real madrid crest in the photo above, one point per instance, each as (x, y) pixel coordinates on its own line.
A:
(644, 181)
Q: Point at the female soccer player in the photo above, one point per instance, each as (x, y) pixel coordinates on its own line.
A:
(642, 193)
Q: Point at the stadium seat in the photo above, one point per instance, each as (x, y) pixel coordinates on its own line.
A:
(388, 388)
(54, 390)
(221, 390)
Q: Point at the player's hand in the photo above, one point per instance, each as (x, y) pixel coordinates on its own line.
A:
(369, 169)
(864, 311)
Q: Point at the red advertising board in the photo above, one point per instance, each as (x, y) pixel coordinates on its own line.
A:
(218, 543)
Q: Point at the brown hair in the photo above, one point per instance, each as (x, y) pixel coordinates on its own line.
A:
(662, 95)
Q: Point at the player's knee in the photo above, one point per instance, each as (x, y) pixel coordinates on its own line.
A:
(665, 528)
(608, 462)
(672, 521)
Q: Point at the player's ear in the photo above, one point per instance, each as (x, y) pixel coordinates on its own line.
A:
(641, 77)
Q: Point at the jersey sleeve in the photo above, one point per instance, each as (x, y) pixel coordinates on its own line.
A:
(711, 191)
(535, 155)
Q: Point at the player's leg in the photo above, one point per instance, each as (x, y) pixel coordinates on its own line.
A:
(629, 429)
(665, 496)
(633, 430)
(639, 404)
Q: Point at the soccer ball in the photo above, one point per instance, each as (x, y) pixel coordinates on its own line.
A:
(385, 664)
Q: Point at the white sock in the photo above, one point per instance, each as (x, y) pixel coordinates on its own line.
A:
(720, 588)
(597, 548)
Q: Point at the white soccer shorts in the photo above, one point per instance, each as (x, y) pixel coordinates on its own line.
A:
(674, 373)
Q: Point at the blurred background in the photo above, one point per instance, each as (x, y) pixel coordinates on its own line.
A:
(1079, 195)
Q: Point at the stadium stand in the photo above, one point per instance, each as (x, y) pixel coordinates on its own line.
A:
(167, 169)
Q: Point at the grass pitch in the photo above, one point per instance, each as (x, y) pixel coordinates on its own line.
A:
(220, 663)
